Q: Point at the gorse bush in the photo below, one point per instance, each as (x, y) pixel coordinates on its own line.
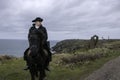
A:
(113, 45)
(6, 57)
(83, 57)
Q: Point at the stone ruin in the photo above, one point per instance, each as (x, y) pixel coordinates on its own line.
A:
(93, 42)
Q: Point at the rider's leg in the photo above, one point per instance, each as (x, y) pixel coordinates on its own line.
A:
(47, 47)
(47, 65)
(49, 58)
(25, 54)
(27, 66)
(25, 58)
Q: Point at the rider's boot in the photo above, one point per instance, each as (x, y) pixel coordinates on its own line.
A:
(47, 69)
(47, 65)
(26, 68)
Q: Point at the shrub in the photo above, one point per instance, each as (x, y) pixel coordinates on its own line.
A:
(6, 57)
(83, 57)
(113, 45)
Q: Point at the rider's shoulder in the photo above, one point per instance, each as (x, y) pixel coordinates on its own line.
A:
(32, 27)
(44, 28)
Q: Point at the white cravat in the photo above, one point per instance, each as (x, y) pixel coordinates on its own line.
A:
(36, 27)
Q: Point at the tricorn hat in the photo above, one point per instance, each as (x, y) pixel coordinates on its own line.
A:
(37, 19)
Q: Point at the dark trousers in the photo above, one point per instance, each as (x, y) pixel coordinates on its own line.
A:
(47, 47)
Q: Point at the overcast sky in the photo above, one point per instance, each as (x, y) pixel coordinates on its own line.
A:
(64, 19)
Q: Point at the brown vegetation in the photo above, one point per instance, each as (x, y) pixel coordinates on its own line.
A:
(83, 57)
(6, 57)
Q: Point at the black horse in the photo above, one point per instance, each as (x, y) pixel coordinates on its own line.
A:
(37, 66)
(36, 57)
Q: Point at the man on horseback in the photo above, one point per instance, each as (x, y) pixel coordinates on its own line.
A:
(35, 31)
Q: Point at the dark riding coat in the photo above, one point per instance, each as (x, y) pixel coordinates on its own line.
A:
(35, 36)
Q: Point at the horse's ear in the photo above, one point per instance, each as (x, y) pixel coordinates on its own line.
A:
(29, 51)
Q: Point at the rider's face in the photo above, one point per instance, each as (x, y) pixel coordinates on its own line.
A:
(38, 23)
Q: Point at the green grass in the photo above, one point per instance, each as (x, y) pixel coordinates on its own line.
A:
(13, 69)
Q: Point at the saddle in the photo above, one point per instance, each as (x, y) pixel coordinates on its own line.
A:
(28, 51)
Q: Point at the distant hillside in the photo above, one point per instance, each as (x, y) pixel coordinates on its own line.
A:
(71, 45)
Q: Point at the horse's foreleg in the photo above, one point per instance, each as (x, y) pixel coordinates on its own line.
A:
(42, 74)
(32, 75)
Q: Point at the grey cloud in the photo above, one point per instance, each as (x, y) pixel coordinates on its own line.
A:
(63, 19)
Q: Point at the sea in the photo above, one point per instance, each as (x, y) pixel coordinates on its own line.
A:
(16, 47)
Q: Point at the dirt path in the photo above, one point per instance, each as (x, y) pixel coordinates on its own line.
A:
(110, 71)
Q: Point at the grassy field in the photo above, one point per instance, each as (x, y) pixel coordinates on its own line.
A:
(12, 69)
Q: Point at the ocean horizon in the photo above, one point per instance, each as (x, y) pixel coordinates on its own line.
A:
(16, 47)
